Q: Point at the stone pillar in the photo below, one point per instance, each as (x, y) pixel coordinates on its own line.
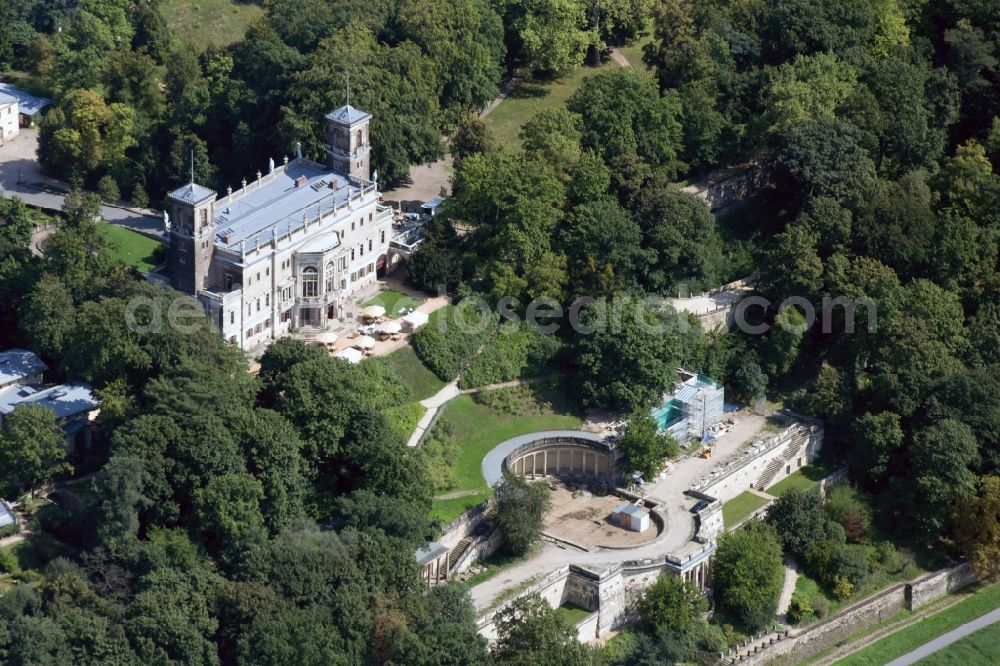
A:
(545, 463)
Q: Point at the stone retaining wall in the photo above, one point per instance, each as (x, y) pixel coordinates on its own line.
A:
(464, 525)
(858, 616)
(750, 465)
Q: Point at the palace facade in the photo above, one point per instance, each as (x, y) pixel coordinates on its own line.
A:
(288, 250)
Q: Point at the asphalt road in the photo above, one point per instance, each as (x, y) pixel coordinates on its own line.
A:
(18, 163)
(947, 639)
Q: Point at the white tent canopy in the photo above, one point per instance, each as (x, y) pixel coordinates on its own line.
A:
(391, 327)
(365, 342)
(416, 319)
(374, 311)
(350, 355)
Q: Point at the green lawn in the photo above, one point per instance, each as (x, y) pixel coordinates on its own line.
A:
(403, 418)
(422, 382)
(447, 510)
(982, 647)
(393, 302)
(912, 637)
(200, 23)
(571, 613)
(131, 248)
(479, 429)
(633, 50)
(740, 507)
(530, 97)
(804, 478)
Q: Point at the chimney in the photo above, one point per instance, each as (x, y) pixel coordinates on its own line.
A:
(300, 181)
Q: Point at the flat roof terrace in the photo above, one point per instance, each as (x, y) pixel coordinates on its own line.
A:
(282, 199)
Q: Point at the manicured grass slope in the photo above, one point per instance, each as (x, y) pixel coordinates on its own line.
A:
(915, 635)
(805, 478)
(571, 613)
(131, 248)
(530, 97)
(479, 429)
(422, 382)
(200, 23)
(740, 507)
(633, 50)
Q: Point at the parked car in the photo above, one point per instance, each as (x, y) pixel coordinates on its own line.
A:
(701, 504)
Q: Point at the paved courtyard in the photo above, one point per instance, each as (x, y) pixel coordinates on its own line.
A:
(585, 519)
(668, 491)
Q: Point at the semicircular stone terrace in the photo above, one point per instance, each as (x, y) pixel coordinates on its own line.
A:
(561, 453)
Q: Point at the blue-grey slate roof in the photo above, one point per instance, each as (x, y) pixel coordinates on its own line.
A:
(7, 99)
(6, 514)
(280, 203)
(28, 104)
(17, 364)
(348, 115)
(192, 193)
(66, 400)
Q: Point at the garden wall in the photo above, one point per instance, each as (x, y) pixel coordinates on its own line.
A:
(856, 617)
(464, 525)
(766, 461)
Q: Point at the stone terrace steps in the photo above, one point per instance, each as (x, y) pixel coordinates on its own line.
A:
(799, 438)
(770, 472)
(456, 553)
(752, 646)
(483, 529)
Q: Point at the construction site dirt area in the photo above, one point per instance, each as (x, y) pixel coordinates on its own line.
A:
(584, 519)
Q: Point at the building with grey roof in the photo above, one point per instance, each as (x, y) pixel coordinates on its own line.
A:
(74, 404)
(289, 249)
(20, 366)
(18, 108)
(9, 118)
(8, 519)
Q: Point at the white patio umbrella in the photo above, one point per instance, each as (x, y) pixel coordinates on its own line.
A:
(326, 337)
(374, 311)
(350, 355)
(365, 342)
(391, 327)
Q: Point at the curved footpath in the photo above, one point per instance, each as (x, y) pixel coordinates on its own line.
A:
(492, 465)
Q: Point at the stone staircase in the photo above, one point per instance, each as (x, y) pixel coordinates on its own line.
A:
(458, 551)
(481, 532)
(770, 472)
(794, 447)
(752, 646)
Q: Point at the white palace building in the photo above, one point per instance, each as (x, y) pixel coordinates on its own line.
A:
(289, 249)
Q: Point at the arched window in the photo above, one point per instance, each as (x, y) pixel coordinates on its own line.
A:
(361, 139)
(329, 277)
(310, 282)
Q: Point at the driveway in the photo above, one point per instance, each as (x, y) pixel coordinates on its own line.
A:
(20, 176)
